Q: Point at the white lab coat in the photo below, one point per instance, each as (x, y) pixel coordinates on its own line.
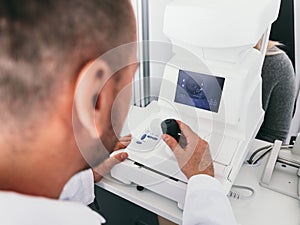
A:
(80, 188)
(206, 204)
(18, 209)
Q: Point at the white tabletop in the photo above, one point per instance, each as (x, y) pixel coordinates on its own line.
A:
(266, 207)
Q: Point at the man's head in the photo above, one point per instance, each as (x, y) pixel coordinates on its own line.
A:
(46, 49)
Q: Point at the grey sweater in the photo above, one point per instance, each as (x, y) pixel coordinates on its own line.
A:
(279, 93)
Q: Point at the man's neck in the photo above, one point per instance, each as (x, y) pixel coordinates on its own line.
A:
(38, 177)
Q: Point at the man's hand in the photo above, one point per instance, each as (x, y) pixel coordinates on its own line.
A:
(109, 163)
(194, 158)
(123, 142)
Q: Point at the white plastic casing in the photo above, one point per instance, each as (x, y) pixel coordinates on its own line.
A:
(215, 38)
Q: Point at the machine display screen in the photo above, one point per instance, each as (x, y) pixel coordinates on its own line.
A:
(199, 90)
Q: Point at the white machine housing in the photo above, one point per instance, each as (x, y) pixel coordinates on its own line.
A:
(211, 39)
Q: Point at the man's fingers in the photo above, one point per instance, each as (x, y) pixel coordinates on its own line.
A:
(123, 142)
(188, 133)
(120, 145)
(112, 161)
(185, 129)
(109, 163)
(119, 157)
(126, 138)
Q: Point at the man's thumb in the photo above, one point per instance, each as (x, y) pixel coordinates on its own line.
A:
(170, 141)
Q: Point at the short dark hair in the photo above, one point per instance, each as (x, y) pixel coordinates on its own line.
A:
(43, 44)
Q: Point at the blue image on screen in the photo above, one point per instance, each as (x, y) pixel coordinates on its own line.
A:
(199, 90)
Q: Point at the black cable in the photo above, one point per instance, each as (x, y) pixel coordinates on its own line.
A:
(260, 157)
(250, 160)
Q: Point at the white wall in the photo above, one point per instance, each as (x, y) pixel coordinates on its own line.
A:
(156, 18)
(297, 37)
(295, 127)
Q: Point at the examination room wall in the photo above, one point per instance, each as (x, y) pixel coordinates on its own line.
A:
(156, 18)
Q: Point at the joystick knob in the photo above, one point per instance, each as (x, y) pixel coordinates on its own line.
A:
(170, 127)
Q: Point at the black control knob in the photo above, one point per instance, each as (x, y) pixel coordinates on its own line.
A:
(170, 127)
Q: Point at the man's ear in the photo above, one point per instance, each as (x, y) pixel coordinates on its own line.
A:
(90, 81)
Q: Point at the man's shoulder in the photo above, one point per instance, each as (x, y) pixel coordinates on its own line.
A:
(23, 209)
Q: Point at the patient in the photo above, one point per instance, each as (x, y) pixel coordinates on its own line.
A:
(278, 94)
